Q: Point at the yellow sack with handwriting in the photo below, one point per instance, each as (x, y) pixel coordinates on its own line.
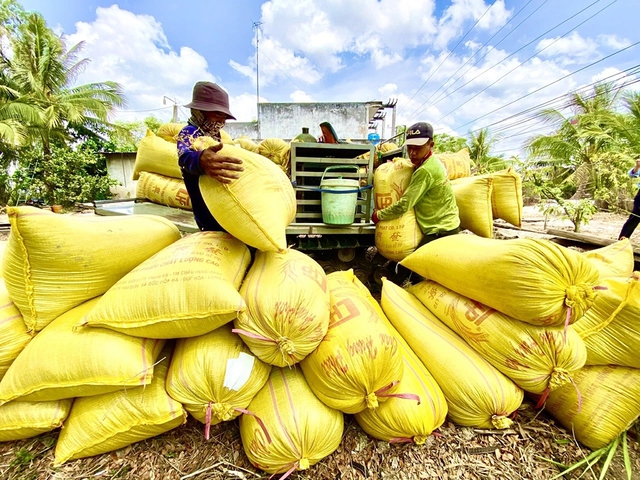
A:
(108, 422)
(20, 420)
(473, 197)
(13, 331)
(61, 362)
(537, 359)
(535, 281)
(215, 376)
(411, 415)
(163, 190)
(170, 131)
(478, 395)
(55, 262)
(603, 403)
(255, 208)
(396, 238)
(287, 313)
(458, 164)
(357, 364)
(615, 260)
(611, 327)
(188, 289)
(297, 429)
(156, 155)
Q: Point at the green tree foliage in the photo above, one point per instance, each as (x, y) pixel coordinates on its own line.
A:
(480, 146)
(444, 143)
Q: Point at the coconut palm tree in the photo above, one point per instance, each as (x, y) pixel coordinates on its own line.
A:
(480, 146)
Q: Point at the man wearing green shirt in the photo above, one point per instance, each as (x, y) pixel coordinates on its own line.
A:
(429, 191)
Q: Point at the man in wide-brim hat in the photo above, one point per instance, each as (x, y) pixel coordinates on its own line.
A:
(209, 112)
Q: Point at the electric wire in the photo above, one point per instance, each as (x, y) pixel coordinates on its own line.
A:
(449, 54)
(479, 50)
(532, 56)
(512, 54)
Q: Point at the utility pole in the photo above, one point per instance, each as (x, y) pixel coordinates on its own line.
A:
(174, 117)
(256, 25)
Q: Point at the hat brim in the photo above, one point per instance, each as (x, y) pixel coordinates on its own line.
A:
(418, 142)
(208, 107)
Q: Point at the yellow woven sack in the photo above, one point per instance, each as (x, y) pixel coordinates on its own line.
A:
(535, 281)
(226, 138)
(357, 364)
(473, 197)
(62, 363)
(108, 422)
(457, 164)
(287, 312)
(247, 144)
(537, 359)
(275, 149)
(55, 262)
(20, 420)
(255, 208)
(478, 395)
(397, 238)
(604, 402)
(3, 246)
(156, 155)
(400, 419)
(615, 260)
(188, 289)
(170, 131)
(13, 331)
(299, 430)
(611, 327)
(506, 200)
(215, 376)
(163, 190)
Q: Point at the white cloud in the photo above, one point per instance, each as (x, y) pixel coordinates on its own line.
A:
(573, 49)
(301, 97)
(133, 50)
(613, 41)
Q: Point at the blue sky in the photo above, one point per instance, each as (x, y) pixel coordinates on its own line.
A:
(461, 65)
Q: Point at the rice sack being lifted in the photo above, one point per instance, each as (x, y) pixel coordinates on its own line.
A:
(13, 331)
(603, 403)
(20, 420)
(536, 358)
(396, 238)
(255, 208)
(108, 422)
(63, 363)
(296, 430)
(357, 364)
(215, 376)
(615, 260)
(611, 327)
(188, 289)
(473, 197)
(477, 394)
(55, 262)
(535, 281)
(287, 313)
(412, 415)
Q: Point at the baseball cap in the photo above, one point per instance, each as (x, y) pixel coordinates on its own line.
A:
(210, 97)
(419, 133)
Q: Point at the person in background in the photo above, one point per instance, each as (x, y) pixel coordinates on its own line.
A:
(634, 218)
(429, 192)
(328, 134)
(209, 112)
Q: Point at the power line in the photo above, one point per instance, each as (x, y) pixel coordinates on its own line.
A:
(479, 50)
(449, 54)
(516, 51)
(552, 83)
